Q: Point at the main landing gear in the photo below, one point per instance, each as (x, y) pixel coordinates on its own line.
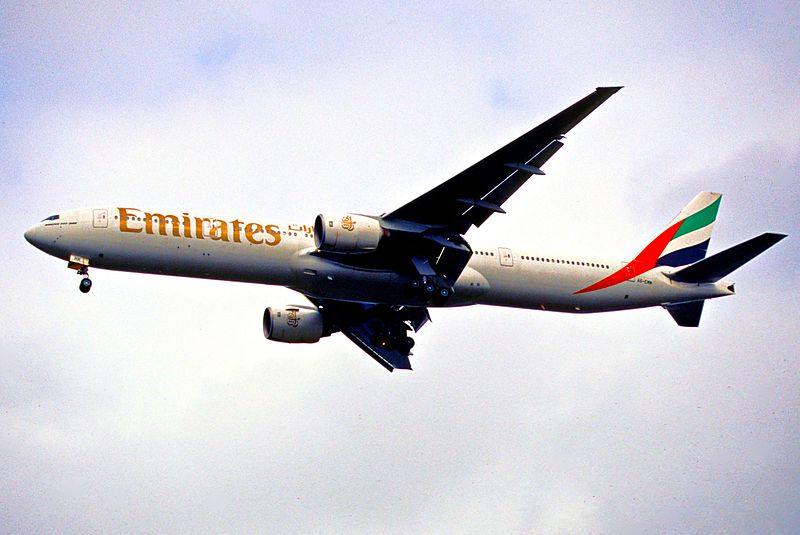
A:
(394, 337)
(431, 289)
(86, 282)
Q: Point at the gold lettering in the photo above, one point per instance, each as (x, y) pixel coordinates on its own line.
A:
(187, 226)
(219, 230)
(250, 230)
(123, 220)
(236, 230)
(162, 224)
(273, 231)
(198, 227)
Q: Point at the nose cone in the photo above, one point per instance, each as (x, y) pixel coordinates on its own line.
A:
(31, 235)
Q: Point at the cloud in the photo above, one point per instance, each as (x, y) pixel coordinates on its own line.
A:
(155, 404)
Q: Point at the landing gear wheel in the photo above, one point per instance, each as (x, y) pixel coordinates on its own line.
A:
(415, 284)
(429, 287)
(85, 285)
(444, 293)
(408, 343)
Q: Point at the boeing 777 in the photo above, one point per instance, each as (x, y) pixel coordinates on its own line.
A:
(373, 278)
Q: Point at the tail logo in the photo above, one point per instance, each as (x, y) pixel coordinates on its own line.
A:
(684, 242)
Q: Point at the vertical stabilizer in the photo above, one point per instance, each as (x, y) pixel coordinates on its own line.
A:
(684, 241)
(692, 231)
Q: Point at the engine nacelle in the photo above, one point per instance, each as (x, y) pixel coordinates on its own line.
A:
(347, 233)
(293, 324)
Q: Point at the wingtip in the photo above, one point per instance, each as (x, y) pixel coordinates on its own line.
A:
(610, 89)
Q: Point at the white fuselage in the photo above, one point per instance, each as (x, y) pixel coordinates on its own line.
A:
(283, 254)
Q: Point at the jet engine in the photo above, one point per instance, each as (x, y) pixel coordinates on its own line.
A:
(347, 233)
(293, 324)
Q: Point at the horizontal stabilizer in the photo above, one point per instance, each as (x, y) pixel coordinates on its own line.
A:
(390, 359)
(715, 267)
(686, 314)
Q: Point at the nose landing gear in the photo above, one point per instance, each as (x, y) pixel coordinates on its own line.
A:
(86, 282)
(85, 285)
(81, 265)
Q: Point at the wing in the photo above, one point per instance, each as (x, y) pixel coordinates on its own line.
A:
(424, 242)
(380, 330)
(471, 196)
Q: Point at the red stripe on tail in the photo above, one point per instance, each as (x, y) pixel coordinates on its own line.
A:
(644, 261)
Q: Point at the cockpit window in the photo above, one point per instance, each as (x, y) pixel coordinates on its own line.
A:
(51, 218)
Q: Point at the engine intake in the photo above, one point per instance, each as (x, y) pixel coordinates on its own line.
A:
(293, 324)
(347, 233)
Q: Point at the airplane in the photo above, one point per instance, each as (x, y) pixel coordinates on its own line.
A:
(373, 278)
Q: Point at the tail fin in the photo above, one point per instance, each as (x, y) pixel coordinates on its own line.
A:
(692, 231)
(717, 266)
(684, 241)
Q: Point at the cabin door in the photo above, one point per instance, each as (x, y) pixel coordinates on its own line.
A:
(100, 218)
(506, 258)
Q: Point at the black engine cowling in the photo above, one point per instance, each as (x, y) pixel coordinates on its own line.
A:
(293, 324)
(347, 233)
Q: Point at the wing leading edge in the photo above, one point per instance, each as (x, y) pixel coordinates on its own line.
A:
(470, 197)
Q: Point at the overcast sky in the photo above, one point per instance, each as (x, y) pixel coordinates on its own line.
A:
(154, 404)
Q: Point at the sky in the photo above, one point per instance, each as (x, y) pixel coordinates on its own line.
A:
(155, 405)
